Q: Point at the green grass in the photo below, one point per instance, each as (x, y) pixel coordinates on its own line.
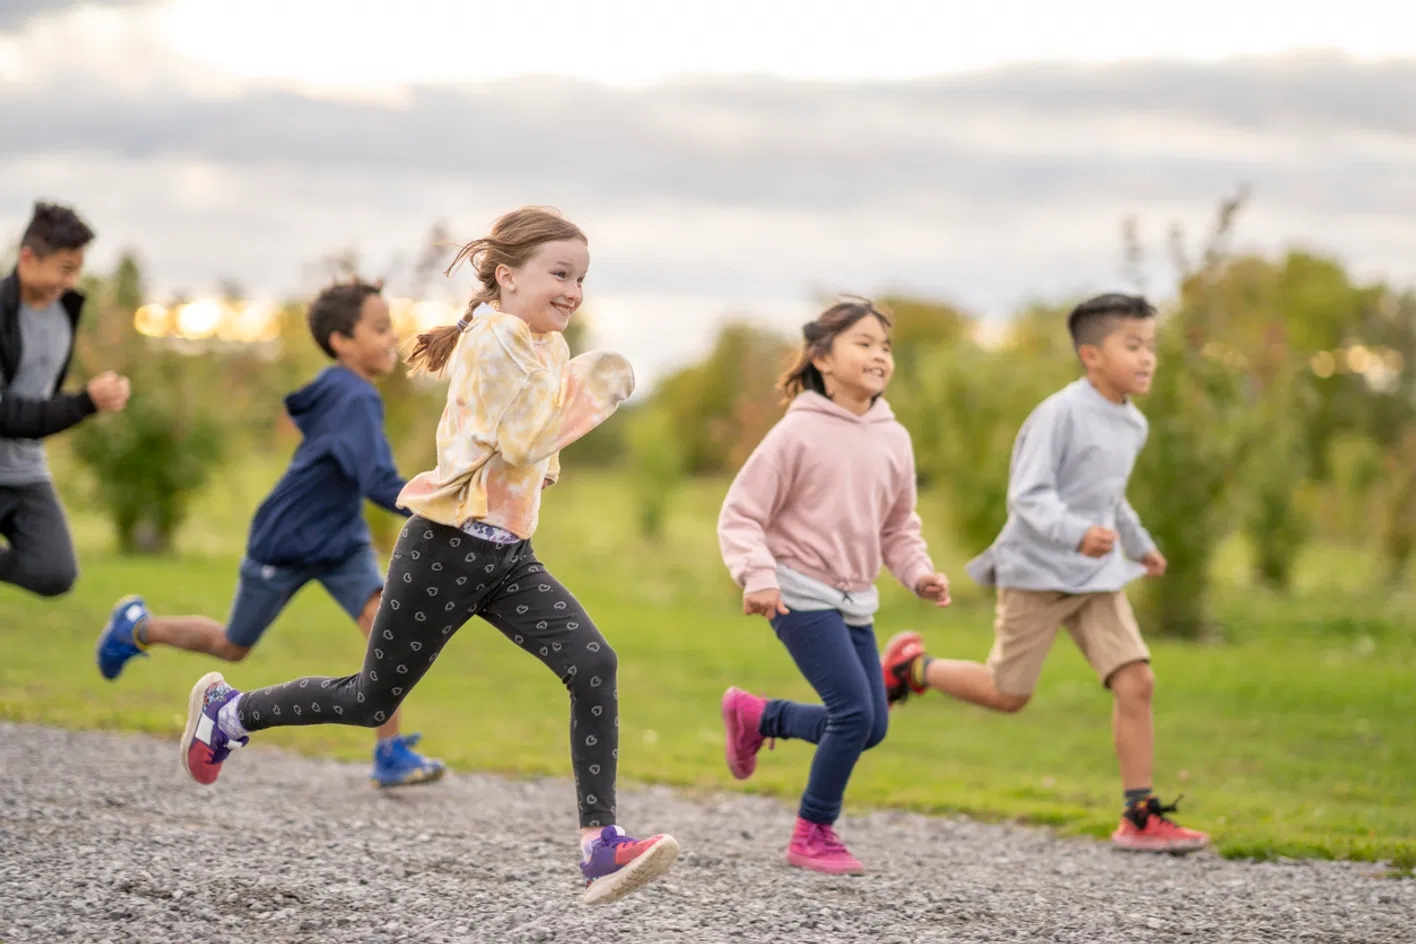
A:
(1292, 737)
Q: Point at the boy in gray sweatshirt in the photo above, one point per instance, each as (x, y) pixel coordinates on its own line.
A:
(1071, 544)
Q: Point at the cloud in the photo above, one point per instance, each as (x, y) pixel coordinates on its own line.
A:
(16, 14)
(1019, 134)
(988, 188)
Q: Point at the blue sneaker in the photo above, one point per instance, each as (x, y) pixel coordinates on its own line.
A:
(116, 644)
(396, 764)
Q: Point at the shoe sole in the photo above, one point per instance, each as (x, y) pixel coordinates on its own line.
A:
(194, 716)
(1168, 847)
(811, 865)
(421, 779)
(897, 643)
(107, 627)
(729, 730)
(652, 864)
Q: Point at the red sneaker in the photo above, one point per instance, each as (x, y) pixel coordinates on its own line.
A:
(1145, 828)
(817, 847)
(897, 663)
(742, 714)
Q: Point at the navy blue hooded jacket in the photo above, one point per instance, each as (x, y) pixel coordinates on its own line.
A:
(315, 514)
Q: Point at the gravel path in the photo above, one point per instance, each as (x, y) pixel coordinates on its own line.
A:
(103, 839)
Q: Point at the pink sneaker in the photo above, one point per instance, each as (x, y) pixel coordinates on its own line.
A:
(742, 713)
(818, 848)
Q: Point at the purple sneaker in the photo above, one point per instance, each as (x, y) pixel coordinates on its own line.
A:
(204, 745)
(618, 865)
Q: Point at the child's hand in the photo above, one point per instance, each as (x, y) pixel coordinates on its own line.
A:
(1098, 541)
(934, 587)
(1155, 563)
(766, 603)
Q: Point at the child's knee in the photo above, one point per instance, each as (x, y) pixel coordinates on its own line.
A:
(1011, 704)
(1133, 684)
(231, 652)
(596, 668)
(880, 726)
(854, 722)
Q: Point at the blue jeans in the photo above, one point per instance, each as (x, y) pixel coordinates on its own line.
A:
(842, 664)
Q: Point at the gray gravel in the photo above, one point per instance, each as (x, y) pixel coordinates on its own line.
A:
(102, 839)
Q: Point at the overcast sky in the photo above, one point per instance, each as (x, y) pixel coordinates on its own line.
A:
(724, 156)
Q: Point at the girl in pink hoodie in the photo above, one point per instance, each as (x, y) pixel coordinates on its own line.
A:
(827, 496)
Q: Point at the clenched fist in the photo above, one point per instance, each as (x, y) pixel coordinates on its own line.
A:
(109, 392)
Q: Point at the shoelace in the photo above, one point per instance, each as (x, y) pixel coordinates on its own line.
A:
(827, 838)
(1156, 809)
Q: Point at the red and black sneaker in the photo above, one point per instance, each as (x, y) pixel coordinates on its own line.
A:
(1145, 828)
(897, 664)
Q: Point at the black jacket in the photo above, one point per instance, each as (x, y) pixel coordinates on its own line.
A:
(34, 419)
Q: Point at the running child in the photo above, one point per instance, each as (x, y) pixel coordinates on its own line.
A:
(39, 318)
(825, 497)
(514, 400)
(311, 527)
(1071, 544)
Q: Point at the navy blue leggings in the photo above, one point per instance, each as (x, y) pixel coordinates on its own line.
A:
(841, 663)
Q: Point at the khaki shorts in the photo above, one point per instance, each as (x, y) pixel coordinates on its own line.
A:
(1026, 622)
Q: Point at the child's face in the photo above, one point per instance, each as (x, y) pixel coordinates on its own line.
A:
(861, 362)
(45, 279)
(1125, 361)
(372, 350)
(547, 290)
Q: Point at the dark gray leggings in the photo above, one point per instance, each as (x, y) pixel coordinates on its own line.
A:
(438, 579)
(40, 557)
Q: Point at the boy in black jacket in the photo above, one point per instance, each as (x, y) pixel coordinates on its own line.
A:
(39, 314)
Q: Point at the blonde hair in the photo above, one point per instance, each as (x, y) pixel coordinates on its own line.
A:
(514, 239)
(817, 338)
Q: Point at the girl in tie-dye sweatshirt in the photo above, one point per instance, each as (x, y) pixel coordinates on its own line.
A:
(515, 399)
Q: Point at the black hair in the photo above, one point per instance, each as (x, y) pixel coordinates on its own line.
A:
(54, 228)
(337, 309)
(1094, 320)
(819, 335)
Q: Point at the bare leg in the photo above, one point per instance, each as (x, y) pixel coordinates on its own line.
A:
(194, 634)
(366, 625)
(1133, 724)
(971, 682)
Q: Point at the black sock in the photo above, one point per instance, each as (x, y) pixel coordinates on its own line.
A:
(1138, 795)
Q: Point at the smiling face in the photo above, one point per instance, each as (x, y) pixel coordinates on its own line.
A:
(548, 289)
(44, 278)
(859, 364)
(1123, 364)
(372, 349)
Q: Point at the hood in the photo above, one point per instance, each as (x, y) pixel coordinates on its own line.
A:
(812, 402)
(308, 403)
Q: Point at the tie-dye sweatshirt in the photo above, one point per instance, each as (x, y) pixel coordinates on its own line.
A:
(514, 400)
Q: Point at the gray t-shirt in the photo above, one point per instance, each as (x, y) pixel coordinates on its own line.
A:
(45, 336)
(1071, 463)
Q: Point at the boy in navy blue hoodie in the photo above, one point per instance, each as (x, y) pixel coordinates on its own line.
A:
(311, 526)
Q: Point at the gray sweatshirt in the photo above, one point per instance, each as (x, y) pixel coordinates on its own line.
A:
(1071, 462)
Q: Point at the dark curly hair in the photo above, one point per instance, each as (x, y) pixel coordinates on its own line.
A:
(54, 228)
(337, 309)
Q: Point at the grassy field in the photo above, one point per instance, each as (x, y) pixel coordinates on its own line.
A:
(1290, 737)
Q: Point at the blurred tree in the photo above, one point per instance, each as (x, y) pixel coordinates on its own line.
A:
(150, 460)
(722, 407)
(656, 466)
(1202, 428)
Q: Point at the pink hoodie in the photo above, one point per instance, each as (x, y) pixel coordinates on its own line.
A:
(828, 494)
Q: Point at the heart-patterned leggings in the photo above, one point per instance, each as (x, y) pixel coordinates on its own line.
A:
(439, 578)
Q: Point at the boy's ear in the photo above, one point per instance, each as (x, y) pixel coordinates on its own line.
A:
(1089, 354)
